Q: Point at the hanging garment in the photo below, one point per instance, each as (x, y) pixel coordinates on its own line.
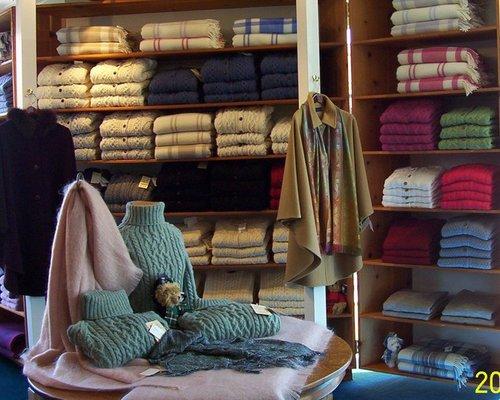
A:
(325, 220)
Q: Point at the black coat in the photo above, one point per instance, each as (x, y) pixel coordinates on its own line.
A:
(37, 160)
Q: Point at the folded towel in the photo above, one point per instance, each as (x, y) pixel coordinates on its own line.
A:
(229, 97)
(456, 82)
(466, 262)
(260, 39)
(183, 138)
(280, 93)
(422, 111)
(87, 140)
(234, 286)
(80, 123)
(479, 115)
(127, 155)
(482, 227)
(240, 261)
(64, 74)
(117, 101)
(187, 122)
(271, 81)
(52, 104)
(244, 86)
(279, 148)
(467, 143)
(472, 305)
(87, 154)
(440, 25)
(182, 29)
(439, 55)
(79, 91)
(468, 131)
(128, 143)
(230, 68)
(265, 25)
(240, 233)
(278, 63)
(412, 301)
(431, 70)
(244, 150)
(272, 288)
(68, 49)
(91, 34)
(177, 80)
(174, 98)
(120, 89)
(118, 71)
(227, 140)
(121, 124)
(240, 120)
(184, 151)
(181, 44)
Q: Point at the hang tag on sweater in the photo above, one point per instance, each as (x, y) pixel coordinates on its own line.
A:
(156, 329)
(104, 181)
(153, 179)
(261, 310)
(151, 371)
(95, 179)
(242, 226)
(145, 181)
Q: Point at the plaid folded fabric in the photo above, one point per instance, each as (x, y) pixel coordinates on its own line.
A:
(181, 44)
(439, 25)
(424, 14)
(92, 34)
(265, 25)
(458, 82)
(183, 151)
(432, 70)
(439, 54)
(66, 49)
(258, 39)
(408, 4)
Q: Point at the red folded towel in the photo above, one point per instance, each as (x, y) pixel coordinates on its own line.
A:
(432, 128)
(468, 186)
(480, 173)
(413, 234)
(408, 139)
(408, 111)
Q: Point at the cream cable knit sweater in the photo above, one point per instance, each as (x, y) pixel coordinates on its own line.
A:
(280, 258)
(235, 286)
(64, 74)
(128, 124)
(79, 123)
(80, 91)
(197, 233)
(51, 104)
(279, 148)
(127, 155)
(117, 101)
(240, 233)
(244, 150)
(240, 261)
(281, 131)
(272, 287)
(242, 120)
(120, 89)
(128, 143)
(87, 140)
(280, 232)
(87, 154)
(201, 260)
(117, 71)
(241, 138)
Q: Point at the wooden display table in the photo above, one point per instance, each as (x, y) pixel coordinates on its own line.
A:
(325, 378)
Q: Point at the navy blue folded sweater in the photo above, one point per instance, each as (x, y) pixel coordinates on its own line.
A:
(235, 67)
(230, 87)
(174, 98)
(272, 81)
(217, 98)
(280, 93)
(284, 63)
(178, 80)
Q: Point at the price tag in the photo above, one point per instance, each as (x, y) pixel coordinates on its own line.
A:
(261, 310)
(145, 181)
(96, 178)
(242, 226)
(104, 181)
(190, 222)
(156, 329)
(154, 179)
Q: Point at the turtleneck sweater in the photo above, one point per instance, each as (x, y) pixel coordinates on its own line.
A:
(157, 248)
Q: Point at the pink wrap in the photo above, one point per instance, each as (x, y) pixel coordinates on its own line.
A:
(456, 82)
(409, 147)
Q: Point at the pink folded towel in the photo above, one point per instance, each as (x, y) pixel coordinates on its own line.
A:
(456, 82)
(407, 111)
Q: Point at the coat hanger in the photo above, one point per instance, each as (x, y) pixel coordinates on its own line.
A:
(319, 101)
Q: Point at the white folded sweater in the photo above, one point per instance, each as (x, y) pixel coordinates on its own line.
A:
(78, 91)
(117, 71)
(241, 120)
(64, 74)
(79, 123)
(240, 233)
(135, 123)
(127, 143)
(281, 130)
(120, 89)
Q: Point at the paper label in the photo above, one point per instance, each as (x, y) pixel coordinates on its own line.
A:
(145, 181)
(242, 226)
(150, 372)
(261, 310)
(104, 181)
(156, 329)
(190, 222)
(96, 178)
(203, 165)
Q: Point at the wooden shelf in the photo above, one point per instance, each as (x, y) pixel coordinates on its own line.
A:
(484, 32)
(436, 322)
(433, 210)
(11, 311)
(431, 152)
(215, 214)
(184, 160)
(238, 267)
(6, 67)
(390, 96)
(376, 262)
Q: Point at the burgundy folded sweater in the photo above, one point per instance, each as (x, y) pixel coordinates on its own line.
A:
(480, 173)
(409, 147)
(409, 260)
(466, 205)
(468, 186)
(432, 128)
(407, 111)
(408, 139)
(414, 234)
(277, 171)
(467, 195)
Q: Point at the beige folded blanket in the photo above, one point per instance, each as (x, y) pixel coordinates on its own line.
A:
(183, 151)
(136, 123)
(52, 104)
(68, 49)
(78, 91)
(79, 123)
(116, 71)
(128, 143)
(241, 120)
(182, 29)
(281, 131)
(127, 155)
(87, 140)
(87, 154)
(228, 140)
(86, 34)
(244, 150)
(240, 233)
(272, 287)
(120, 89)
(235, 286)
(195, 234)
(186, 122)
(64, 74)
(181, 44)
(279, 148)
(183, 138)
(117, 101)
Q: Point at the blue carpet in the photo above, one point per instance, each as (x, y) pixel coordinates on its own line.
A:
(13, 385)
(367, 385)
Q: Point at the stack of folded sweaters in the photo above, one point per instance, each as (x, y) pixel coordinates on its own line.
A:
(230, 78)
(84, 128)
(5, 46)
(439, 68)
(121, 83)
(414, 304)
(469, 242)
(472, 308)
(123, 188)
(279, 135)
(233, 286)
(6, 93)
(197, 237)
(279, 76)
(273, 293)
(8, 300)
(444, 359)
(92, 40)
(410, 125)
(412, 241)
(243, 131)
(241, 242)
(280, 243)
(182, 35)
(277, 171)
(469, 128)
(413, 187)
(188, 135)
(183, 187)
(417, 16)
(264, 31)
(470, 187)
(64, 86)
(127, 136)
(174, 86)
(239, 186)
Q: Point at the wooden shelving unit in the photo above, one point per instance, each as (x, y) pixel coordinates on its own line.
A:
(374, 65)
(185, 160)
(11, 311)
(239, 267)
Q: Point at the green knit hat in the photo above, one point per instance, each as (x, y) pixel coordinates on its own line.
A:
(98, 304)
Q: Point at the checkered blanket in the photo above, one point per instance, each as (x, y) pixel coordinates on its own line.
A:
(438, 83)
(265, 25)
(438, 55)
(92, 34)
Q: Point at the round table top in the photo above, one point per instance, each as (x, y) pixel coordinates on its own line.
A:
(330, 368)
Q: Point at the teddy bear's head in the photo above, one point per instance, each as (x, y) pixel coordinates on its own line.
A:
(168, 294)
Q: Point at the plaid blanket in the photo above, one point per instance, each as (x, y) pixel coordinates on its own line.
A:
(438, 55)
(461, 359)
(66, 49)
(438, 83)
(408, 4)
(261, 39)
(439, 25)
(431, 70)
(265, 25)
(424, 14)
(92, 34)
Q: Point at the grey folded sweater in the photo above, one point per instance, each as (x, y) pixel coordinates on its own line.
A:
(416, 302)
(124, 188)
(471, 304)
(481, 227)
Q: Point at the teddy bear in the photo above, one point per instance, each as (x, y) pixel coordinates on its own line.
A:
(168, 298)
(392, 344)
(336, 299)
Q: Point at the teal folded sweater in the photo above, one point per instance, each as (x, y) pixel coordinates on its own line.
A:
(466, 144)
(157, 248)
(480, 115)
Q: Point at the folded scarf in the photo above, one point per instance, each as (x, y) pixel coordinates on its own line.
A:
(171, 81)
(128, 143)
(181, 44)
(279, 148)
(468, 131)
(234, 171)
(278, 63)
(467, 205)
(265, 25)
(432, 70)
(229, 97)
(221, 88)
(120, 89)
(472, 305)
(407, 139)
(261, 39)
(413, 234)
(239, 261)
(119, 71)
(482, 227)
(239, 202)
(68, 49)
(64, 74)
(182, 29)
(412, 301)
(174, 98)
(242, 233)
(408, 147)
(422, 111)
(456, 82)
(92, 34)
(45, 104)
(481, 173)
(227, 140)
(186, 122)
(280, 93)
(117, 101)
(280, 258)
(87, 154)
(410, 4)
(281, 130)
(183, 138)
(440, 25)
(424, 178)
(271, 81)
(121, 124)
(438, 12)
(237, 67)
(245, 119)
(467, 240)
(467, 144)
(127, 155)
(244, 150)
(80, 91)
(86, 140)
(439, 55)
(184, 151)
(410, 128)
(479, 115)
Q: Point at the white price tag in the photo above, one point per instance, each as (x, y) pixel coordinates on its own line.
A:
(190, 222)
(145, 181)
(242, 226)
(261, 310)
(156, 329)
(104, 181)
(96, 178)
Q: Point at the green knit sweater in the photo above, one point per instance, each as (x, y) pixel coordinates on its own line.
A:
(157, 248)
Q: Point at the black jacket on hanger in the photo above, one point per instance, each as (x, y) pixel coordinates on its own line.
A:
(37, 160)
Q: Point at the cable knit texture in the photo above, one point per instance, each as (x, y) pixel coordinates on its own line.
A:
(157, 248)
(128, 143)
(117, 101)
(127, 155)
(120, 89)
(87, 154)
(80, 123)
(64, 74)
(80, 91)
(87, 140)
(118, 71)
(235, 286)
(243, 120)
(128, 124)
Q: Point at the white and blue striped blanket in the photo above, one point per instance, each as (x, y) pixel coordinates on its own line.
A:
(265, 25)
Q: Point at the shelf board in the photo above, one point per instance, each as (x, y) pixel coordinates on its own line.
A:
(390, 96)
(209, 214)
(10, 310)
(339, 316)
(433, 210)
(433, 322)
(184, 160)
(6, 67)
(483, 32)
(430, 152)
(235, 267)
(179, 53)
(376, 262)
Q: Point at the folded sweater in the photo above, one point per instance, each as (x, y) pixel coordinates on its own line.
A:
(278, 63)
(412, 301)
(280, 93)
(468, 131)
(413, 234)
(414, 177)
(272, 288)
(127, 143)
(229, 68)
(229, 97)
(121, 124)
(80, 123)
(177, 152)
(117, 101)
(234, 286)
(174, 98)
(241, 120)
(182, 138)
(127, 154)
(234, 87)
(64, 74)
(51, 104)
(193, 234)
(173, 81)
(472, 305)
(467, 143)
(482, 227)
(79, 91)
(281, 130)
(271, 81)
(87, 140)
(119, 71)
(469, 241)
(119, 89)
(244, 150)
(186, 122)
(240, 233)
(409, 111)
(482, 173)
(479, 115)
